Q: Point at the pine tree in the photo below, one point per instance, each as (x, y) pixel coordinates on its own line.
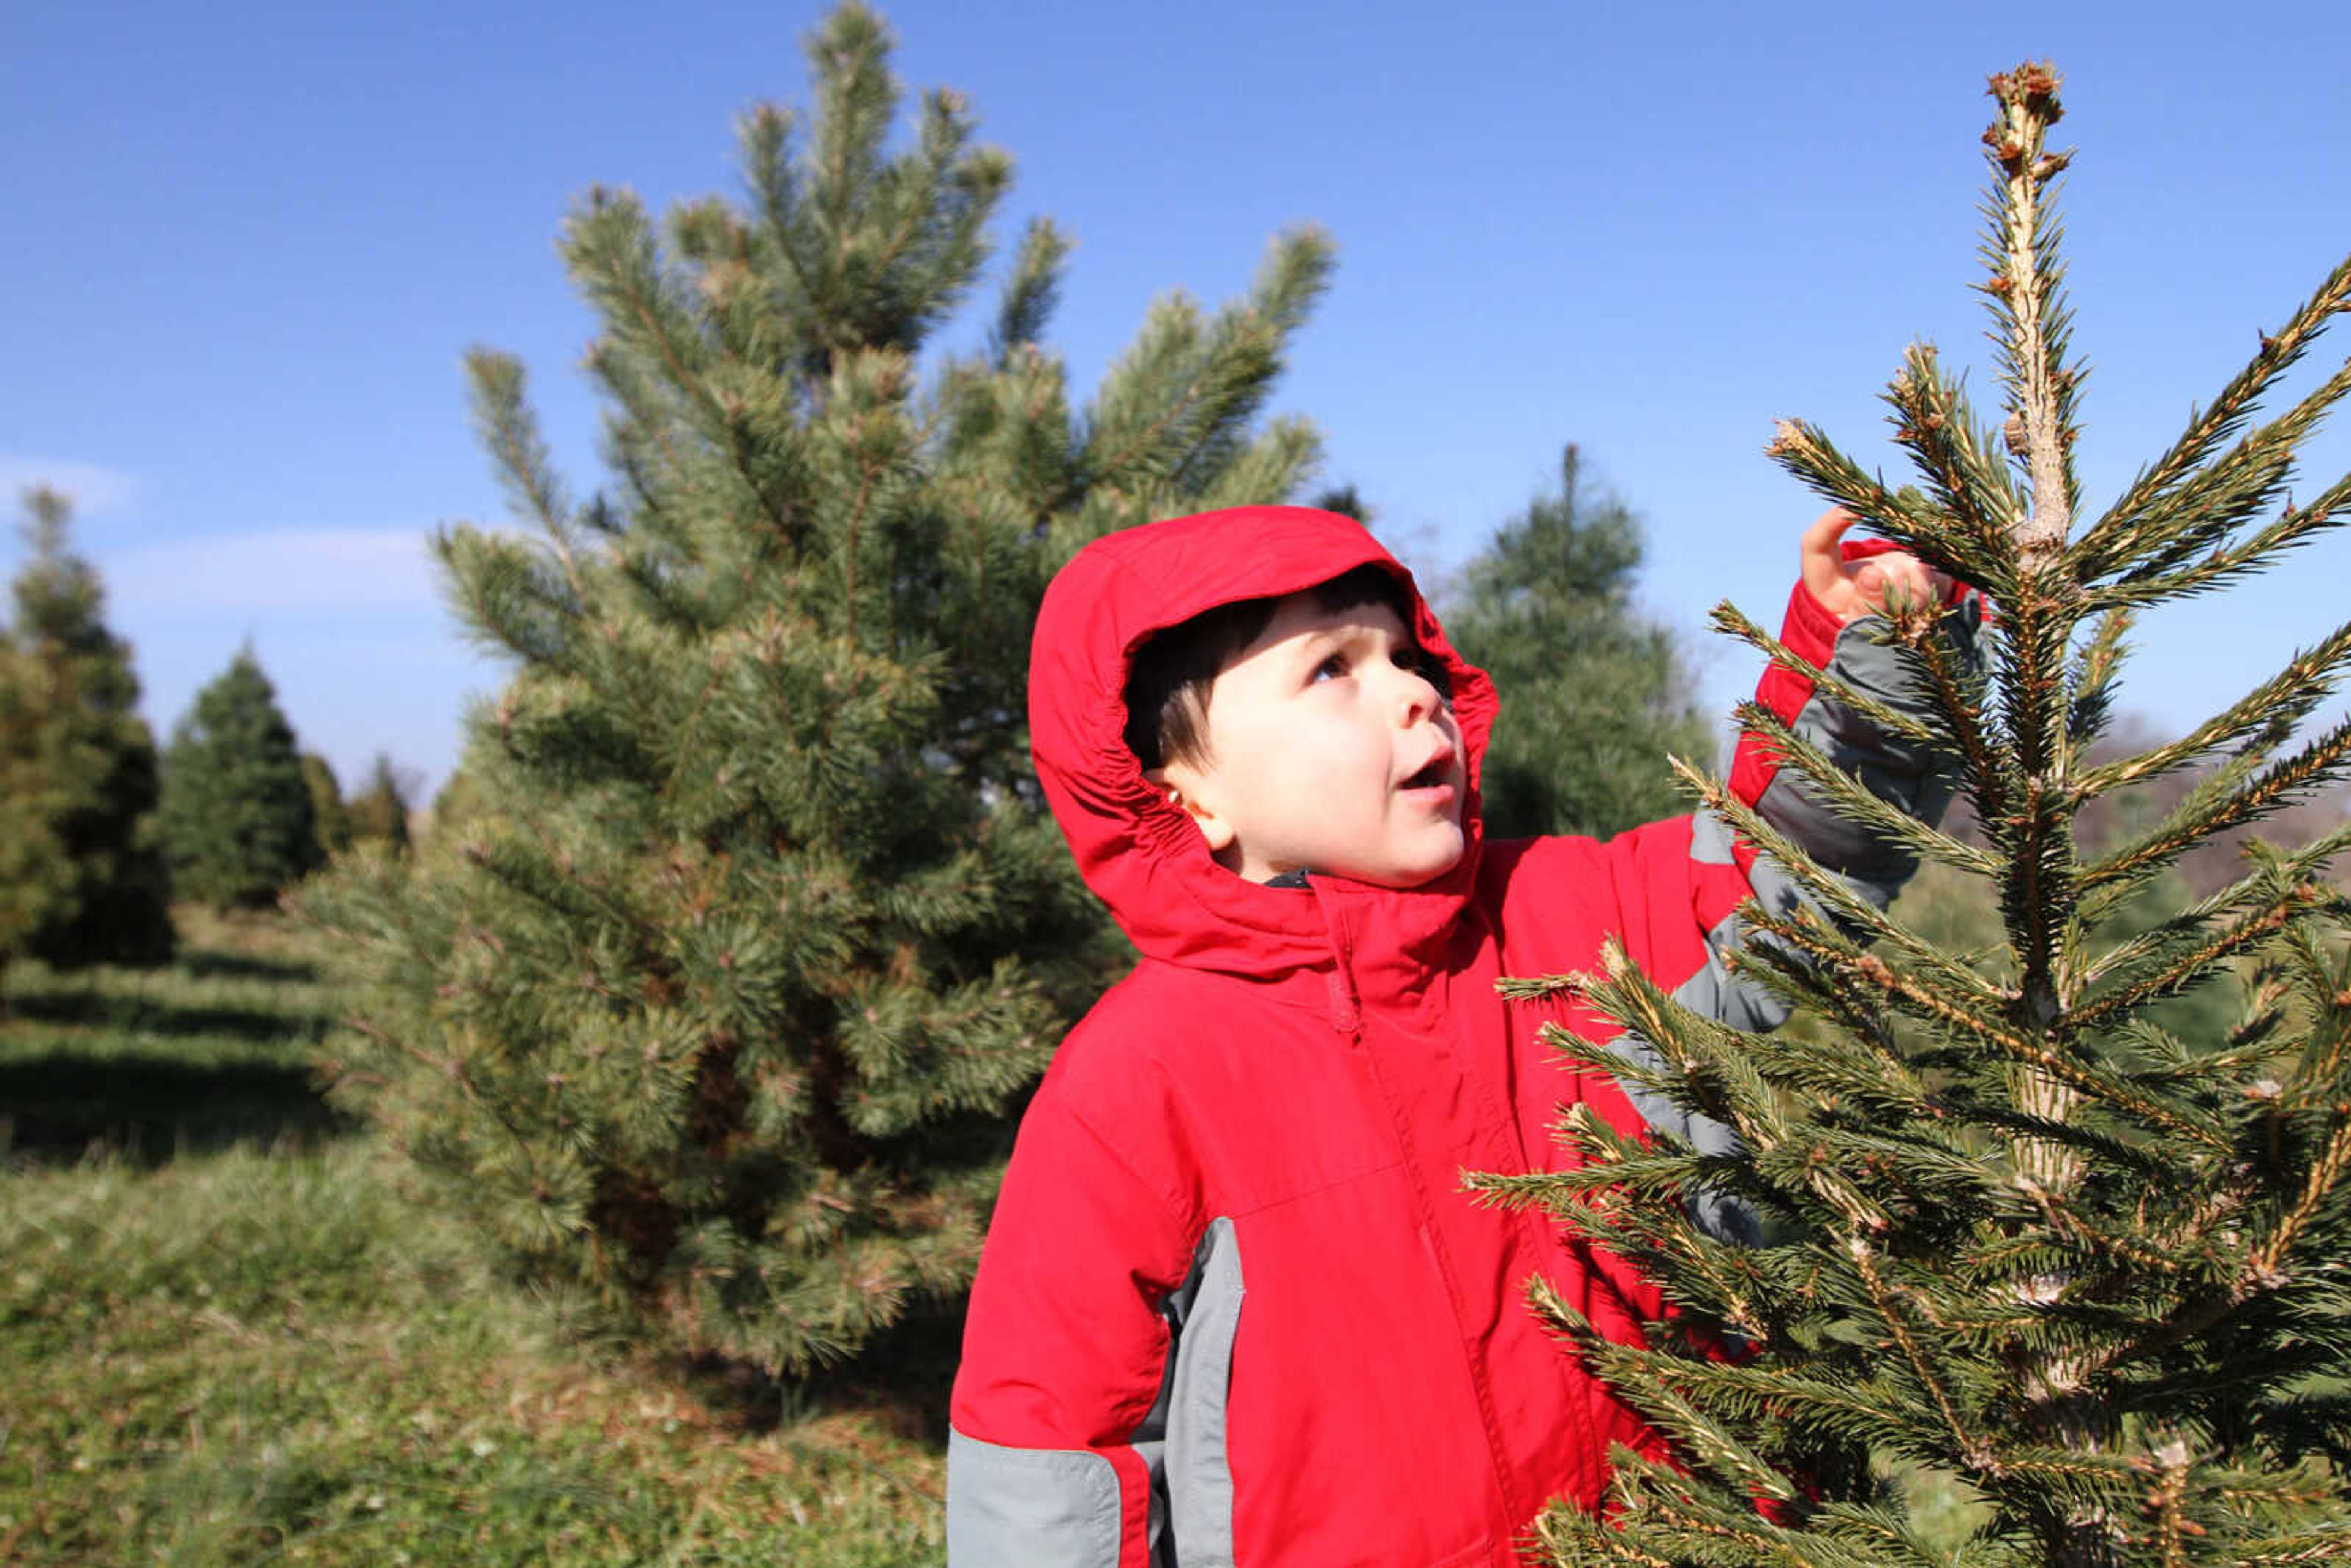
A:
(2024, 1233)
(1595, 698)
(379, 813)
(330, 819)
(236, 815)
(87, 878)
(716, 1002)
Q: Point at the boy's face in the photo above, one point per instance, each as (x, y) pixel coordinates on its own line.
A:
(1329, 751)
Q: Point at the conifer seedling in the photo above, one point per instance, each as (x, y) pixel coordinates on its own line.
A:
(2022, 1238)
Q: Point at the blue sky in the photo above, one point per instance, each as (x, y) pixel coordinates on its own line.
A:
(247, 244)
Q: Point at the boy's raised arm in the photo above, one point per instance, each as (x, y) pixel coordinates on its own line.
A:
(1679, 885)
(1058, 1421)
(1833, 623)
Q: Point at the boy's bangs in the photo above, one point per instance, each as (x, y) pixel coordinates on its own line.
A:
(1167, 683)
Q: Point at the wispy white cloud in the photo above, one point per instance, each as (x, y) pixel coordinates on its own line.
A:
(97, 491)
(313, 571)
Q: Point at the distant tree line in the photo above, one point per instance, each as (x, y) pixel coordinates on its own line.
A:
(98, 833)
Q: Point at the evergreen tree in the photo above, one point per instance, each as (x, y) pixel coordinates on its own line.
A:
(2027, 1234)
(715, 1004)
(34, 871)
(330, 819)
(1345, 500)
(379, 813)
(236, 815)
(458, 802)
(86, 876)
(1595, 699)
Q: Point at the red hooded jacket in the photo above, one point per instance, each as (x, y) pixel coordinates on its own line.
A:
(1234, 1306)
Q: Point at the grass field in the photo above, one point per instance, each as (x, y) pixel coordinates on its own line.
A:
(231, 1337)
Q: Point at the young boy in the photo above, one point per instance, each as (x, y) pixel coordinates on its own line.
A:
(1234, 1307)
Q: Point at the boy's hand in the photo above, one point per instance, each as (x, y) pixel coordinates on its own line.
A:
(1880, 584)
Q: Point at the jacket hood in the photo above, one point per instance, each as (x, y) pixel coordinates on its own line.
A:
(1140, 853)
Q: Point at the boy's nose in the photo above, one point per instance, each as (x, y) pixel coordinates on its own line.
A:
(1417, 699)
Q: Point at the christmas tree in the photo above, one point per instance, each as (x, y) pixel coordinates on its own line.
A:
(2021, 1230)
(1597, 697)
(379, 812)
(715, 999)
(85, 874)
(236, 814)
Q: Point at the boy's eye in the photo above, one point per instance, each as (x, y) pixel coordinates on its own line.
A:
(1426, 667)
(1330, 668)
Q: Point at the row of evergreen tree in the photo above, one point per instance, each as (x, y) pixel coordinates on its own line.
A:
(99, 833)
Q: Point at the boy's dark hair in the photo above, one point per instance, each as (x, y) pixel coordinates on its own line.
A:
(1167, 685)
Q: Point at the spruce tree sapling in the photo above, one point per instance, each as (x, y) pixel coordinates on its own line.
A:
(1595, 698)
(715, 999)
(85, 860)
(237, 817)
(379, 812)
(2026, 1232)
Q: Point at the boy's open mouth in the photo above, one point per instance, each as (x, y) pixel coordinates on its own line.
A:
(1431, 775)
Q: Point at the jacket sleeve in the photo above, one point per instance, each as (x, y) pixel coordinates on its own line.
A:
(1054, 1445)
(1895, 770)
(1719, 872)
(1912, 777)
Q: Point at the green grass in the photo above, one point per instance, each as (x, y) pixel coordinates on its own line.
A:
(231, 1337)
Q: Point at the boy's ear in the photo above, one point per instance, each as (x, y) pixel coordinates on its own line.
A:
(1185, 787)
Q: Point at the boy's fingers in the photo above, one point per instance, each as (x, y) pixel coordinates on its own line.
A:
(1918, 580)
(1896, 571)
(1824, 564)
(1879, 581)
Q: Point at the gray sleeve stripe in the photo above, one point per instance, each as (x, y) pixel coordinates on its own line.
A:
(1711, 840)
(1896, 769)
(1716, 1214)
(1712, 992)
(1199, 1464)
(1029, 1508)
